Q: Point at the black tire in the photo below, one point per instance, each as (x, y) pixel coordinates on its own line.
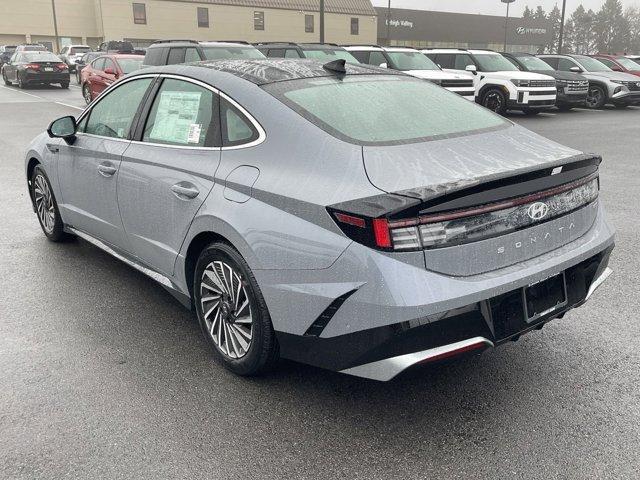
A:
(495, 100)
(53, 230)
(596, 98)
(6, 80)
(86, 94)
(529, 112)
(64, 85)
(21, 83)
(262, 353)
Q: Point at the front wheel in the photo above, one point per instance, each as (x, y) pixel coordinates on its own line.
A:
(6, 80)
(232, 313)
(86, 93)
(46, 206)
(596, 98)
(495, 101)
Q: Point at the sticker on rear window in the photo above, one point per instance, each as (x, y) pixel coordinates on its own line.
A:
(194, 133)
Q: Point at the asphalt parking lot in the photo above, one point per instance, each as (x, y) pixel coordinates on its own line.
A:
(104, 375)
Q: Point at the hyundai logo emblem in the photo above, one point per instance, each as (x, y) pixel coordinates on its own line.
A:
(538, 211)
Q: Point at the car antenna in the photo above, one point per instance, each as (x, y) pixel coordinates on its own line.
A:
(337, 66)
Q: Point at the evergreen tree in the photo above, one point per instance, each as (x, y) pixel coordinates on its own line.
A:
(539, 14)
(632, 17)
(528, 13)
(555, 19)
(612, 28)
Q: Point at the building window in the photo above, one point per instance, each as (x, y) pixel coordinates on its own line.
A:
(203, 17)
(139, 14)
(258, 20)
(355, 26)
(308, 23)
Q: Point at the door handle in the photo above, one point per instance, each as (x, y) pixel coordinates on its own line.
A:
(182, 191)
(53, 148)
(106, 170)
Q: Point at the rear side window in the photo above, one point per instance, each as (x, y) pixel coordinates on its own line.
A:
(276, 52)
(176, 55)
(113, 115)
(154, 56)
(182, 114)
(237, 129)
(384, 110)
(191, 55)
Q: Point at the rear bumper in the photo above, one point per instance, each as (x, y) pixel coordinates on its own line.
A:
(384, 352)
(48, 77)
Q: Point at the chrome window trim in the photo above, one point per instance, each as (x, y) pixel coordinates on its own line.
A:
(261, 132)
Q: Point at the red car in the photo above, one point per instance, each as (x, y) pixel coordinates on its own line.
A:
(619, 63)
(104, 71)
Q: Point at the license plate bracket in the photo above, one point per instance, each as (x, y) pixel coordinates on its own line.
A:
(544, 297)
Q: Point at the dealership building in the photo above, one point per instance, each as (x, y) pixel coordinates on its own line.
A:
(420, 29)
(143, 21)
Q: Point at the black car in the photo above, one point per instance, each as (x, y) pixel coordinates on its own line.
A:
(6, 52)
(325, 52)
(572, 87)
(30, 68)
(172, 52)
(86, 59)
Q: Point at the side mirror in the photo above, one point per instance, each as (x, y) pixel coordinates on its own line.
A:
(64, 128)
(109, 71)
(575, 70)
(471, 68)
(384, 65)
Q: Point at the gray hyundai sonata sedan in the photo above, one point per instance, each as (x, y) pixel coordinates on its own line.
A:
(343, 216)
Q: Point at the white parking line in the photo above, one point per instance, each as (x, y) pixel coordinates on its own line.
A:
(42, 98)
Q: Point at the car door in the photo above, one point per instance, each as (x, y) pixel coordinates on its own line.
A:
(168, 171)
(88, 168)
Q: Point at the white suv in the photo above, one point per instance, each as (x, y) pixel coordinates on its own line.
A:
(414, 63)
(70, 55)
(499, 85)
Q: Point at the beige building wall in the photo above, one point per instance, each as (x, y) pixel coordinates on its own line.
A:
(179, 20)
(90, 21)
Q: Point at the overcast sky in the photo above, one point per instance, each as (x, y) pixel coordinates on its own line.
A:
(493, 7)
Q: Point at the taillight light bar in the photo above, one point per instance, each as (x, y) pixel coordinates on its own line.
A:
(468, 225)
(32, 66)
(62, 66)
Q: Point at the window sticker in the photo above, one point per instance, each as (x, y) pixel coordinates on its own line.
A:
(176, 116)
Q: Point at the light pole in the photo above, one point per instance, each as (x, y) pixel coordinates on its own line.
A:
(388, 22)
(55, 25)
(321, 21)
(506, 22)
(560, 37)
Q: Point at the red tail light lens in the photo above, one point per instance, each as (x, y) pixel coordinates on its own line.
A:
(381, 232)
(62, 66)
(32, 66)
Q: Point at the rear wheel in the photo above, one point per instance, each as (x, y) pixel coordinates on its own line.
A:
(232, 313)
(495, 100)
(86, 93)
(596, 98)
(21, 82)
(46, 206)
(64, 85)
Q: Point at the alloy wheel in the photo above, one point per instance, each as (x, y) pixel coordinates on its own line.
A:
(494, 102)
(86, 93)
(226, 309)
(594, 97)
(44, 203)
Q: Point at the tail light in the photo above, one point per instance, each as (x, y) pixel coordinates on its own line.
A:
(32, 66)
(62, 66)
(472, 224)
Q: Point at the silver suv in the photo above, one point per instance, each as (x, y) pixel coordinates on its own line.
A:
(605, 85)
(300, 219)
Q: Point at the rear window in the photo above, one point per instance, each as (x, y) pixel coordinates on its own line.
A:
(384, 110)
(40, 57)
(129, 65)
(326, 55)
(79, 50)
(224, 53)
